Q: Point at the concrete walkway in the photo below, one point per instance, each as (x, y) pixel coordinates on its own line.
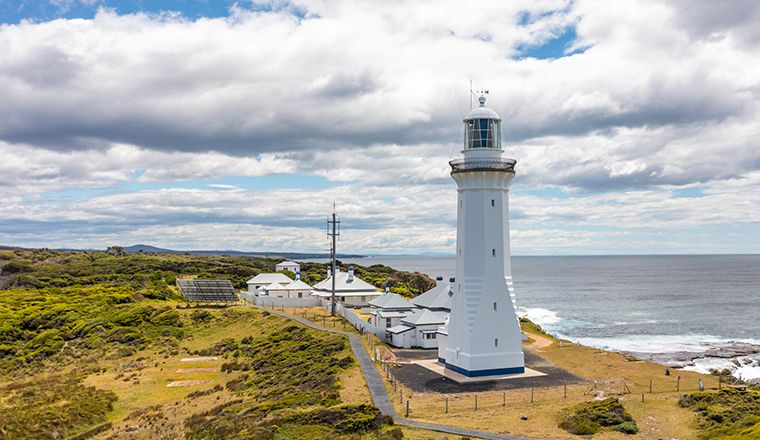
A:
(377, 387)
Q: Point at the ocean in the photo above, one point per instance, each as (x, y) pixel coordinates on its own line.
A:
(691, 311)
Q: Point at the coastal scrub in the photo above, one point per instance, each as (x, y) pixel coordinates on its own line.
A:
(591, 417)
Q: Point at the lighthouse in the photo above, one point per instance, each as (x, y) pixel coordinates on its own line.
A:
(482, 336)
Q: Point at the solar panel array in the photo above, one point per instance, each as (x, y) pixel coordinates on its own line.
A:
(208, 290)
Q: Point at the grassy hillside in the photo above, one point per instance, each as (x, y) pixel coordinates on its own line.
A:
(152, 273)
(99, 344)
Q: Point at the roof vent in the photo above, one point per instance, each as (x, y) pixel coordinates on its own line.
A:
(350, 274)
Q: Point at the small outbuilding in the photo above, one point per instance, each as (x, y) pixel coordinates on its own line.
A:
(296, 289)
(388, 309)
(288, 265)
(419, 329)
(262, 280)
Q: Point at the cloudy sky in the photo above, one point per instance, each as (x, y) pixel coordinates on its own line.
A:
(195, 124)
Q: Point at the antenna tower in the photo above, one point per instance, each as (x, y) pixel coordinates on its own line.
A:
(333, 231)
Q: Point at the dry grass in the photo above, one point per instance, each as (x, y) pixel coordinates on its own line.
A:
(658, 416)
(353, 388)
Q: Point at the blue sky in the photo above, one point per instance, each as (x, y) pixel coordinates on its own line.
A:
(15, 11)
(236, 125)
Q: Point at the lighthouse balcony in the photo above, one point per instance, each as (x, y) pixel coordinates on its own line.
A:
(482, 164)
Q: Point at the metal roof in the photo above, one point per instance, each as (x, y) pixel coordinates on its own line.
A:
(269, 278)
(436, 298)
(399, 329)
(208, 290)
(344, 285)
(392, 313)
(425, 317)
(391, 301)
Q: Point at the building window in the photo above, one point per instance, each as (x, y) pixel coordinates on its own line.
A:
(300, 294)
(494, 307)
(429, 335)
(387, 322)
(496, 342)
(493, 252)
(493, 203)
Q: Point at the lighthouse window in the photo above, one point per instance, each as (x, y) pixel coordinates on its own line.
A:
(493, 252)
(494, 306)
(482, 133)
(493, 203)
(496, 342)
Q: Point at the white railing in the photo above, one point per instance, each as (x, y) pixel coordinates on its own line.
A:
(354, 319)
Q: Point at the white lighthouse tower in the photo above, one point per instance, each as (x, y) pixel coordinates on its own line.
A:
(482, 336)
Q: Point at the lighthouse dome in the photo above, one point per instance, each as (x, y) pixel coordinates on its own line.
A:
(482, 112)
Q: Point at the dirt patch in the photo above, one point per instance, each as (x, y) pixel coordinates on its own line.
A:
(187, 383)
(199, 359)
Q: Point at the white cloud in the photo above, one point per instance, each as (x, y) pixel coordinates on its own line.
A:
(370, 95)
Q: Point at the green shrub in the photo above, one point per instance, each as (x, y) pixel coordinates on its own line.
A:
(727, 413)
(46, 343)
(590, 417)
(345, 418)
(168, 317)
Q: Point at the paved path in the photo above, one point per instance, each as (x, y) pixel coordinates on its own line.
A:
(377, 387)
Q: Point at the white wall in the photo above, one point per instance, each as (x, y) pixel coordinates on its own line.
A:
(273, 301)
(289, 293)
(483, 277)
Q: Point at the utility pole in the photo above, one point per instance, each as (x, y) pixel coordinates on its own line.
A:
(333, 231)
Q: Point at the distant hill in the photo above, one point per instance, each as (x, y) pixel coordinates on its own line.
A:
(290, 255)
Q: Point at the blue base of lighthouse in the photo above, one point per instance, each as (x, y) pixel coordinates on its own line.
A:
(481, 373)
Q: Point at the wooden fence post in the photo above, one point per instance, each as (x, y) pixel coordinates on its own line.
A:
(476, 402)
(531, 395)
(650, 386)
(642, 397)
(503, 398)
(407, 408)
(565, 392)
(678, 384)
(447, 406)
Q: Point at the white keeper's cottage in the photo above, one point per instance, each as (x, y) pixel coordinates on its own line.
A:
(350, 290)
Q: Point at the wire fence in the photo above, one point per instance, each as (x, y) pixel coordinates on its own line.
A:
(457, 403)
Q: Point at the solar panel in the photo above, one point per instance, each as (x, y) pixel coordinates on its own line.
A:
(208, 290)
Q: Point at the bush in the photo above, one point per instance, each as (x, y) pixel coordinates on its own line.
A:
(346, 418)
(590, 417)
(726, 413)
(201, 316)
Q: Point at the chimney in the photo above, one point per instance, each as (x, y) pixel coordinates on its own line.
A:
(298, 275)
(329, 272)
(350, 274)
(388, 287)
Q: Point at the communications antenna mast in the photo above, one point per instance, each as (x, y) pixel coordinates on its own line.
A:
(333, 231)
